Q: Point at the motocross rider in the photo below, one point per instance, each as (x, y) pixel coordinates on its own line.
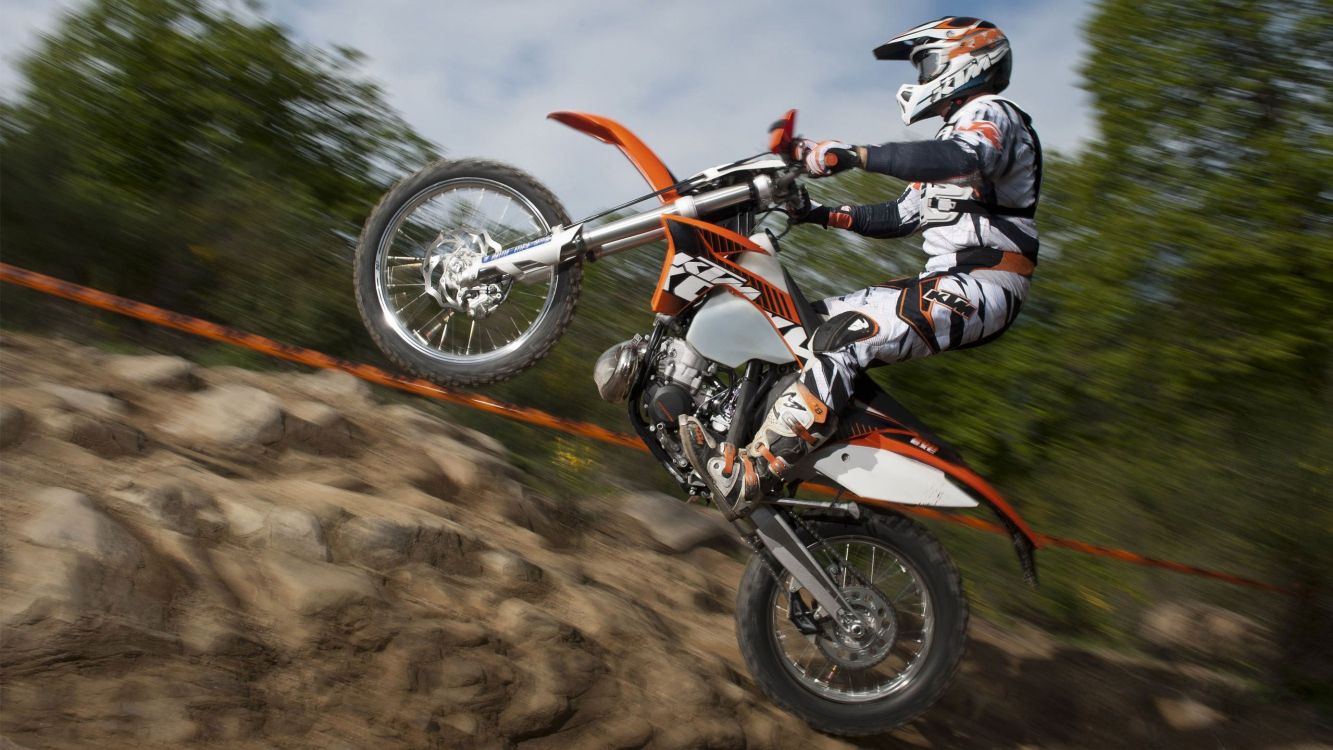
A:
(972, 196)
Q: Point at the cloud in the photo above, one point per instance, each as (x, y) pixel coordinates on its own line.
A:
(698, 80)
(24, 20)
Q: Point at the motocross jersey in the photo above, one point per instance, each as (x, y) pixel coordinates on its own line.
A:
(971, 201)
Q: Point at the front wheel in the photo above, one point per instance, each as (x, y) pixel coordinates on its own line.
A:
(903, 584)
(445, 214)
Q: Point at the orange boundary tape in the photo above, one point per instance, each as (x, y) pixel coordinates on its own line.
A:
(56, 287)
(302, 355)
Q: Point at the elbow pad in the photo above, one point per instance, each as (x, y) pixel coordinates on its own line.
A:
(923, 161)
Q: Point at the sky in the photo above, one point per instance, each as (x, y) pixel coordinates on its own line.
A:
(698, 80)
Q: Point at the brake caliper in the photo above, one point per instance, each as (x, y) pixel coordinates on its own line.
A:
(449, 269)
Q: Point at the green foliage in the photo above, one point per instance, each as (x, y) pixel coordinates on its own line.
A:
(171, 150)
(1166, 387)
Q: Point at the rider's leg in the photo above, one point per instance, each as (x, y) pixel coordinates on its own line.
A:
(890, 323)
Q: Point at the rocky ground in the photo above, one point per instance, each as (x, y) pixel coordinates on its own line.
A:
(221, 558)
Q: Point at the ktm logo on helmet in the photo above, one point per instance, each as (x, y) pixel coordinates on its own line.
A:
(949, 85)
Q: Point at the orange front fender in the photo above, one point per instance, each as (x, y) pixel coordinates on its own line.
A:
(609, 131)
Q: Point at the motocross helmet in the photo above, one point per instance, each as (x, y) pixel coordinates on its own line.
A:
(956, 57)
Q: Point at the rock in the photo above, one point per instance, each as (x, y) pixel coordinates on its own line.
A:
(74, 562)
(319, 428)
(1204, 629)
(1186, 715)
(13, 425)
(419, 421)
(506, 567)
(296, 532)
(455, 672)
(467, 468)
(105, 438)
(338, 478)
(263, 525)
(703, 731)
(329, 504)
(381, 544)
(675, 525)
(86, 402)
(465, 723)
(312, 588)
(178, 506)
(415, 420)
(374, 542)
(243, 518)
(324, 598)
(333, 386)
(521, 622)
(481, 441)
(69, 520)
(624, 731)
(230, 416)
(456, 473)
(153, 370)
(536, 514)
(533, 712)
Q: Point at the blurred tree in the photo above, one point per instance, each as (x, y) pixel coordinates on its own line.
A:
(174, 150)
(1167, 385)
(1210, 260)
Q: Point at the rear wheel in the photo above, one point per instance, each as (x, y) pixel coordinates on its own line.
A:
(447, 213)
(910, 596)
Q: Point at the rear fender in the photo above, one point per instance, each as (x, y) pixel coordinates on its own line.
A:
(884, 455)
(609, 131)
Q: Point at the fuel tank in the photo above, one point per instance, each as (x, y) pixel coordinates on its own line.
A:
(731, 330)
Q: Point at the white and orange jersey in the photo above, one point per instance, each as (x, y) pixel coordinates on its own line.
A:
(974, 206)
(991, 207)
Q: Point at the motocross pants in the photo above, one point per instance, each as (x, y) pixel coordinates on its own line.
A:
(885, 324)
(891, 323)
(907, 319)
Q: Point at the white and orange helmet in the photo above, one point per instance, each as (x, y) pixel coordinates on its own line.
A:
(955, 57)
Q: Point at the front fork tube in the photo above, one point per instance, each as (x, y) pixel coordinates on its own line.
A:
(776, 535)
(780, 541)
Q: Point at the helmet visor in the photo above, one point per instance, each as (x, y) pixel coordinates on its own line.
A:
(930, 63)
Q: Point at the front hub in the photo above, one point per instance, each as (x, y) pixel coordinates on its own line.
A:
(449, 273)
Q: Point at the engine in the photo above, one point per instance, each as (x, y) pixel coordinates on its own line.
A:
(680, 376)
(682, 381)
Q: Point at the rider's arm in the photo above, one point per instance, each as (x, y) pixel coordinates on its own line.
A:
(880, 220)
(923, 161)
(975, 146)
(891, 219)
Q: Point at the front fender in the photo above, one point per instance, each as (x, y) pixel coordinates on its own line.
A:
(609, 131)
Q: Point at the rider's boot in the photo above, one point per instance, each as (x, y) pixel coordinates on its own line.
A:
(739, 478)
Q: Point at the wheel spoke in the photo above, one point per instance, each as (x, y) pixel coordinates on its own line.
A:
(864, 669)
(426, 325)
(450, 211)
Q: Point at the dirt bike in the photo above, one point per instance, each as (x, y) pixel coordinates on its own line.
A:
(850, 614)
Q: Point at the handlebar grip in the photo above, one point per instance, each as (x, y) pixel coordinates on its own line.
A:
(781, 133)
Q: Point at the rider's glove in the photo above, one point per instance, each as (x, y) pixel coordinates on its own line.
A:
(813, 213)
(824, 158)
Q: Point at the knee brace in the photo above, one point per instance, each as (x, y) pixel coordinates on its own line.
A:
(842, 330)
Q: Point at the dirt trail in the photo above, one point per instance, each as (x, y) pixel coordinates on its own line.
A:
(221, 558)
